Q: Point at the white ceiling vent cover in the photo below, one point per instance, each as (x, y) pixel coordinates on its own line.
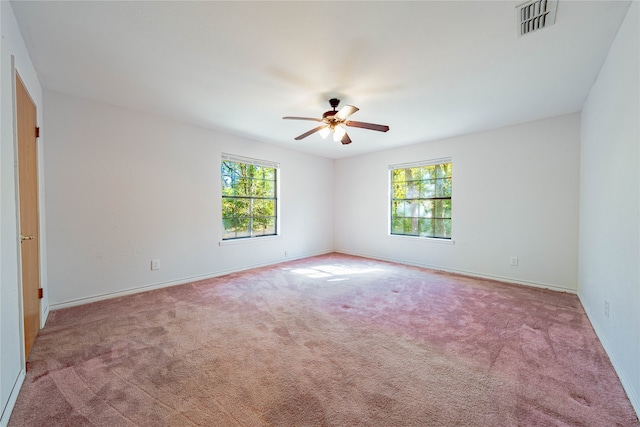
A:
(536, 15)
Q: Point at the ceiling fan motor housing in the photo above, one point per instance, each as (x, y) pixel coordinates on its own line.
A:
(329, 114)
(334, 102)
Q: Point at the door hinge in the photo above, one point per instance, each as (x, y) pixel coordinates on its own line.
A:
(37, 132)
(40, 295)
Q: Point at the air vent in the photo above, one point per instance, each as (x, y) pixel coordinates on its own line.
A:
(536, 15)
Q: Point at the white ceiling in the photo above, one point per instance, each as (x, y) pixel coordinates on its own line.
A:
(427, 69)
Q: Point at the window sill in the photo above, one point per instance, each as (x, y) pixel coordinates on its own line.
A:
(246, 240)
(423, 239)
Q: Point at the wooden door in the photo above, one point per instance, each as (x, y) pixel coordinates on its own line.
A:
(29, 222)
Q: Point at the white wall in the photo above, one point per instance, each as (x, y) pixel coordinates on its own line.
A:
(610, 205)
(14, 53)
(515, 193)
(124, 188)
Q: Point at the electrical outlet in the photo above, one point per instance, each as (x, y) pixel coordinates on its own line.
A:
(514, 261)
(155, 264)
(606, 308)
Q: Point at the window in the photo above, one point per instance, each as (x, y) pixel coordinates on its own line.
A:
(249, 198)
(421, 199)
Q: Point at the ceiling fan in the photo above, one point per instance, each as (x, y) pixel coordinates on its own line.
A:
(332, 120)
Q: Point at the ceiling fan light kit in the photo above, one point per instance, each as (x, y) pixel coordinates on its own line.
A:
(333, 120)
(324, 132)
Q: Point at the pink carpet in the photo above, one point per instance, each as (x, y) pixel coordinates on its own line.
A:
(332, 340)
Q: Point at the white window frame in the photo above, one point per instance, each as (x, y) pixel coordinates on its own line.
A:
(255, 162)
(391, 168)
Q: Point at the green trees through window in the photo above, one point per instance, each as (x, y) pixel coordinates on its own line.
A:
(248, 200)
(421, 201)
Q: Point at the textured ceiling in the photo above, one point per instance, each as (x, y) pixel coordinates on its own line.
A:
(428, 69)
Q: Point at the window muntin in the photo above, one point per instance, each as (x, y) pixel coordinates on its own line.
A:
(249, 199)
(421, 200)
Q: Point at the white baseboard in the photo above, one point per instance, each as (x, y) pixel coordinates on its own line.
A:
(622, 375)
(159, 285)
(182, 281)
(467, 273)
(13, 397)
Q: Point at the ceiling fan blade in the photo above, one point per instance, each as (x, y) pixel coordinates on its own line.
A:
(301, 118)
(306, 134)
(345, 112)
(363, 125)
(345, 139)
